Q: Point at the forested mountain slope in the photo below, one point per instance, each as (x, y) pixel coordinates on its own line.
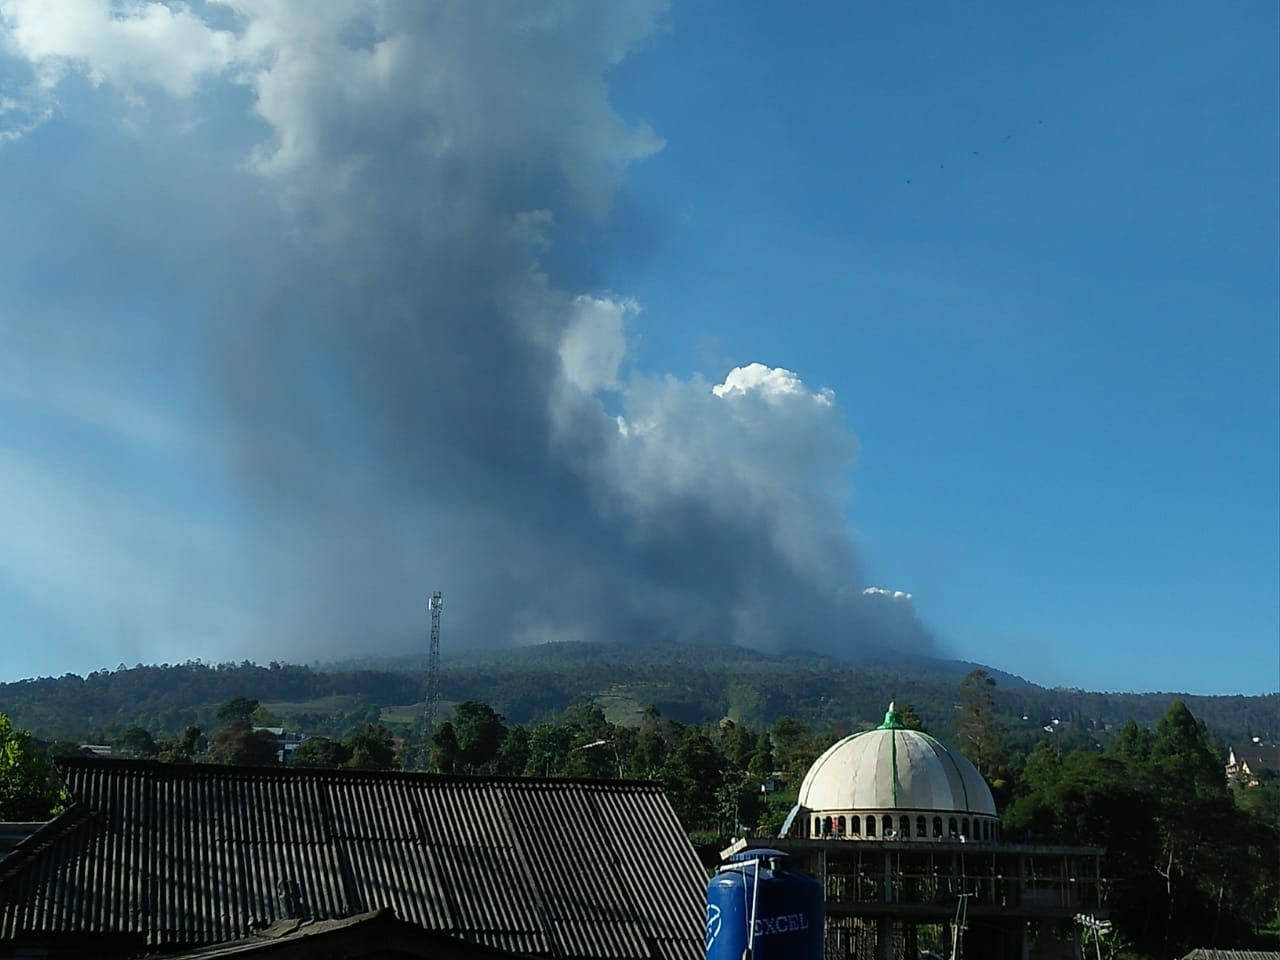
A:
(685, 682)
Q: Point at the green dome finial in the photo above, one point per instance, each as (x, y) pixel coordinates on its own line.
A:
(892, 719)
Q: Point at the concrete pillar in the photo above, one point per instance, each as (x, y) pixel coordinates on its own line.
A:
(884, 939)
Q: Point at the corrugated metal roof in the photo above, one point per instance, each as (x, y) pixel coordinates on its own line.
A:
(199, 854)
(377, 933)
(13, 832)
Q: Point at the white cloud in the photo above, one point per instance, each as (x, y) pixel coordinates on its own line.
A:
(20, 117)
(594, 342)
(772, 383)
(127, 44)
(347, 87)
(898, 596)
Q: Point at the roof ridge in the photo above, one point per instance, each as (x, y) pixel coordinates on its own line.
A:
(179, 771)
(27, 849)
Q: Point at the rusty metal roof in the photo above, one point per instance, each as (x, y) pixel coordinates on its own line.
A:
(184, 855)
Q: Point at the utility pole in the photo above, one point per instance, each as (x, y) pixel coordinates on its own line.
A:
(433, 666)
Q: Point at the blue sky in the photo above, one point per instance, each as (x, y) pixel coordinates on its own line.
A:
(1011, 274)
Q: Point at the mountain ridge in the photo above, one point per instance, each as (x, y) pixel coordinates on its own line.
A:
(688, 683)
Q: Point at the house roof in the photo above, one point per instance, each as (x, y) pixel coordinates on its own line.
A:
(1202, 953)
(1257, 757)
(376, 933)
(185, 855)
(13, 832)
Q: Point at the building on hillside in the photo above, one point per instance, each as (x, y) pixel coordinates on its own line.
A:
(286, 741)
(1249, 763)
(160, 858)
(903, 833)
(775, 782)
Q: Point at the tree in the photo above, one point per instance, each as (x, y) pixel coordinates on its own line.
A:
(548, 749)
(1195, 817)
(693, 774)
(320, 752)
(761, 765)
(137, 742)
(63, 748)
(738, 803)
(371, 749)
(235, 710)
(793, 746)
(26, 778)
(1189, 865)
(1131, 746)
(513, 755)
(977, 725)
(181, 749)
(444, 749)
(262, 717)
(240, 744)
(910, 720)
(647, 751)
(480, 733)
(587, 721)
(738, 743)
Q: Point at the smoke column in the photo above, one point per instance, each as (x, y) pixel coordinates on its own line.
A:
(314, 332)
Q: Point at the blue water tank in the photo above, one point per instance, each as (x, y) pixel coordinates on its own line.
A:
(787, 910)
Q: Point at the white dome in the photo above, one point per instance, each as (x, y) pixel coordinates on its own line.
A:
(894, 769)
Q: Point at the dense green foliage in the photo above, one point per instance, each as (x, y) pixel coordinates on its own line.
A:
(689, 683)
(239, 737)
(169, 698)
(1192, 862)
(713, 772)
(27, 788)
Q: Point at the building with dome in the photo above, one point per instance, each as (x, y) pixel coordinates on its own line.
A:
(904, 834)
(897, 784)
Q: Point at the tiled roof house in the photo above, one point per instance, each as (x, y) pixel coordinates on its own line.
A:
(159, 858)
(1249, 762)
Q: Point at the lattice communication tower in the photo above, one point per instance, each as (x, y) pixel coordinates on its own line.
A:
(433, 662)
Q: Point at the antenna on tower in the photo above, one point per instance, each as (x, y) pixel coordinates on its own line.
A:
(433, 663)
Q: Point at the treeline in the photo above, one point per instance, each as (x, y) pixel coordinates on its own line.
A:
(689, 683)
(1191, 861)
(714, 773)
(30, 789)
(167, 698)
